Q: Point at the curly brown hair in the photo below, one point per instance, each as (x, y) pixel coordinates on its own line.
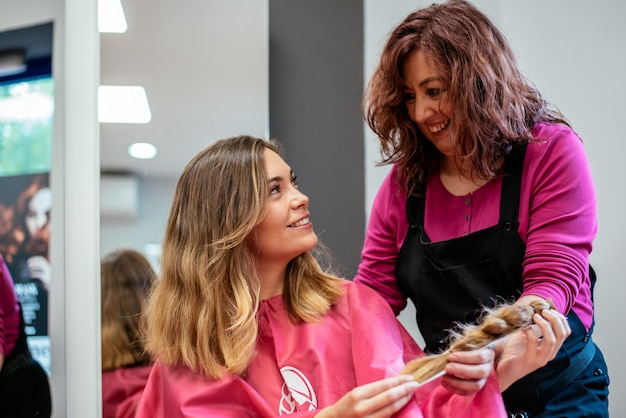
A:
(495, 106)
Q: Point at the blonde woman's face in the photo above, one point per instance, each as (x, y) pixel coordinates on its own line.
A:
(286, 231)
(425, 100)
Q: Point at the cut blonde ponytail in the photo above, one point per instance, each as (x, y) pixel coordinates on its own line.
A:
(496, 323)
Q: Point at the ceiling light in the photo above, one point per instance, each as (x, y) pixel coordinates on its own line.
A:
(12, 61)
(123, 104)
(111, 16)
(142, 150)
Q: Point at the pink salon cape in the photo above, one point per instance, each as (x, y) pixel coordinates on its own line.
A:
(301, 368)
(121, 390)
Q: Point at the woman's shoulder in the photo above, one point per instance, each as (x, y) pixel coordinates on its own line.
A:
(127, 374)
(551, 133)
(361, 293)
(553, 140)
(391, 194)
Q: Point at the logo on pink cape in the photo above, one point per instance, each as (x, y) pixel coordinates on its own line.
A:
(297, 392)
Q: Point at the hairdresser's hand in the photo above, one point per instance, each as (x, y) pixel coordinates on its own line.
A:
(379, 399)
(527, 350)
(467, 371)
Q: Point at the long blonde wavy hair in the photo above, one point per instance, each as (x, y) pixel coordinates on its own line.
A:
(202, 311)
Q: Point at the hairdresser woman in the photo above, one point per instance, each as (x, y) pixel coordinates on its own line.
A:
(490, 199)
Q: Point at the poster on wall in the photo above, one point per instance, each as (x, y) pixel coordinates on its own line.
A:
(25, 208)
(26, 137)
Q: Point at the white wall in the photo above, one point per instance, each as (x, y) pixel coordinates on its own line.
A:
(576, 57)
(573, 51)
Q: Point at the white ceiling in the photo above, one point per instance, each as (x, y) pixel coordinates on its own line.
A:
(204, 66)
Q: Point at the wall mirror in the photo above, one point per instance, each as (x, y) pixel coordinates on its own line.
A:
(204, 68)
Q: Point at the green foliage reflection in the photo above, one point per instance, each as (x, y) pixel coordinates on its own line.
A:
(26, 114)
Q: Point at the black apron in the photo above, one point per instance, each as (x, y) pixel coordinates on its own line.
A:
(451, 281)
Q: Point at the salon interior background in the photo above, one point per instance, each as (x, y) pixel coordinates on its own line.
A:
(319, 54)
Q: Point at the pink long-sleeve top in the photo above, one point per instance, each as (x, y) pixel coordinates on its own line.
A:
(557, 222)
(300, 368)
(9, 312)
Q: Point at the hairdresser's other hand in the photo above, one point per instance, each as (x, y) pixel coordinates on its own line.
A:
(527, 350)
(379, 399)
(467, 371)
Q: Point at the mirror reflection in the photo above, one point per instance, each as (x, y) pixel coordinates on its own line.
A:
(203, 68)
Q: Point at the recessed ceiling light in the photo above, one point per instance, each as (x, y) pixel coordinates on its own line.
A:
(123, 104)
(111, 16)
(142, 150)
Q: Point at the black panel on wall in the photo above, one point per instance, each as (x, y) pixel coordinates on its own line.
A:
(316, 86)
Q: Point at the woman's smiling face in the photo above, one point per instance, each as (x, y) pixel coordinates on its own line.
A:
(286, 231)
(425, 100)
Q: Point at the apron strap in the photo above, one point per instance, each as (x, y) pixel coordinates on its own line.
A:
(512, 185)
